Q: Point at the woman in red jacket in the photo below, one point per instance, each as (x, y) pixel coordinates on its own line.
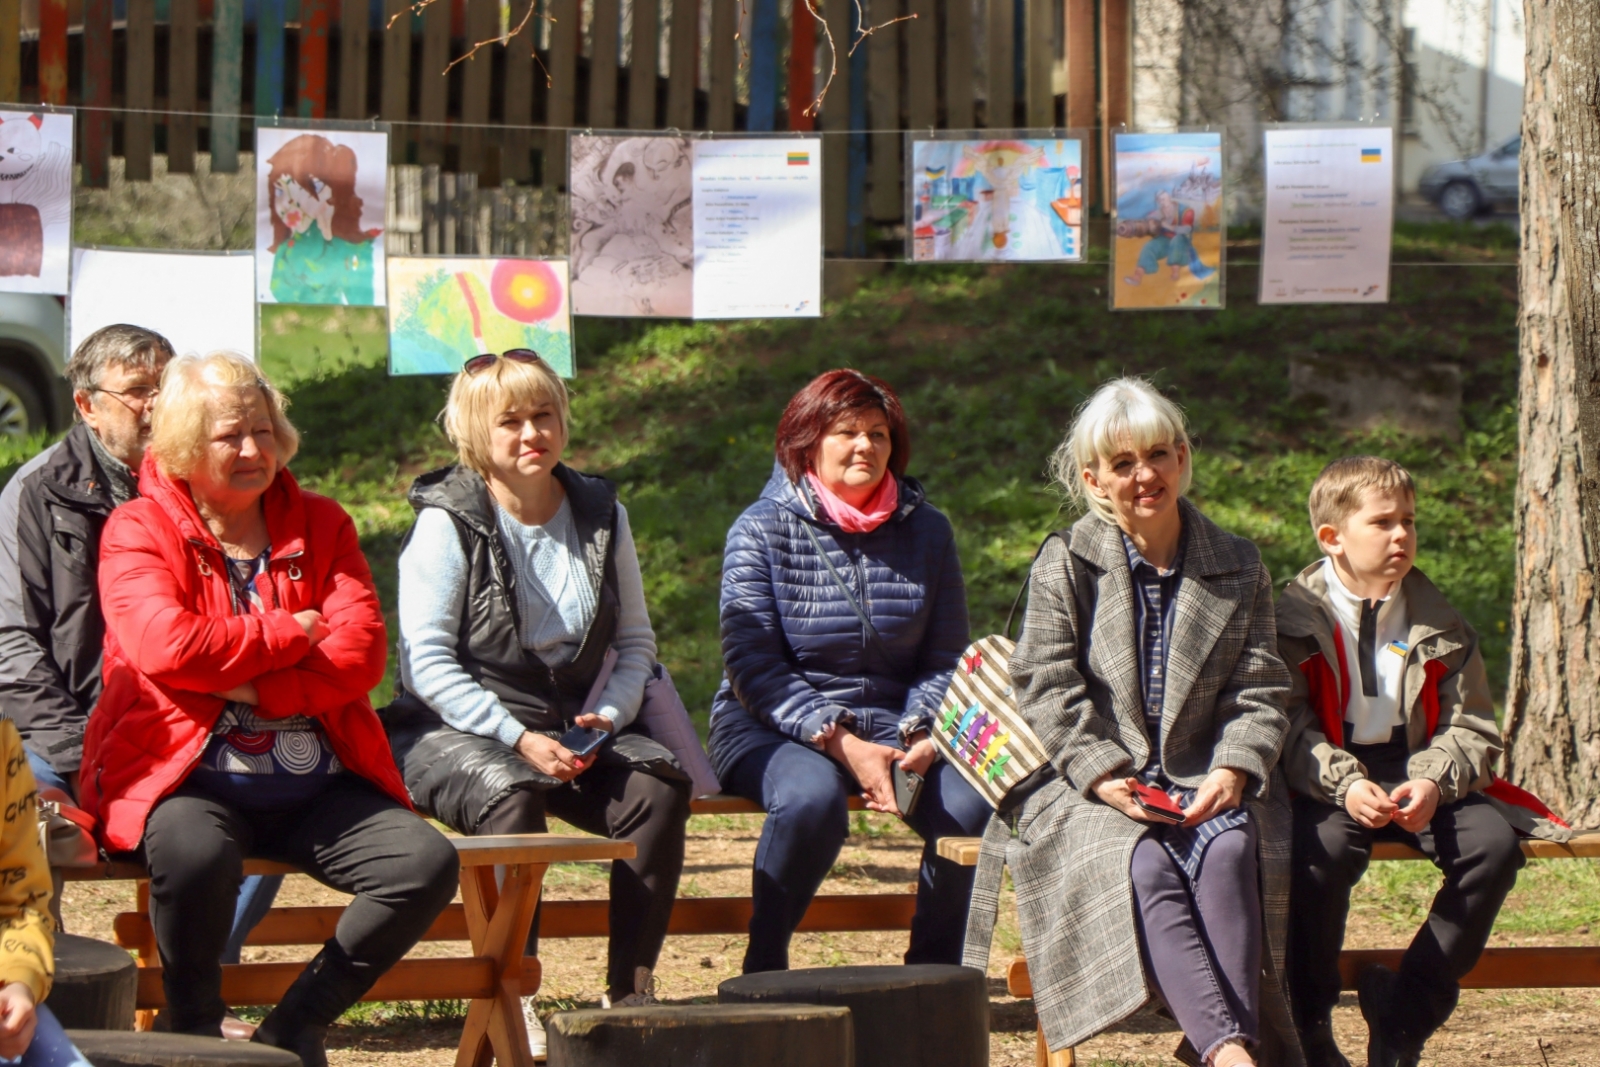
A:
(242, 635)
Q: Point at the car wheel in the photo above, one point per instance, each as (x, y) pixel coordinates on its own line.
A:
(1460, 200)
(22, 411)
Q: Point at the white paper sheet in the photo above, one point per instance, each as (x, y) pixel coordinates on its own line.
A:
(758, 228)
(1329, 216)
(35, 201)
(200, 301)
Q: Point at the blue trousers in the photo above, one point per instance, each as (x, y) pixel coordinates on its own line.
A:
(51, 1047)
(804, 793)
(256, 894)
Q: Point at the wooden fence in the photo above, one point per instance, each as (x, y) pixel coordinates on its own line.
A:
(187, 77)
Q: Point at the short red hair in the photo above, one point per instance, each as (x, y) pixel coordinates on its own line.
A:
(828, 397)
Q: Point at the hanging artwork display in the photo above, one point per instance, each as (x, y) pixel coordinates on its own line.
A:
(1017, 199)
(696, 227)
(35, 201)
(200, 301)
(443, 310)
(320, 201)
(1167, 244)
(1328, 222)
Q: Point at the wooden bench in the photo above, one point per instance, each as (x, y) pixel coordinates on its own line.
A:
(494, 917)
(1498, 968)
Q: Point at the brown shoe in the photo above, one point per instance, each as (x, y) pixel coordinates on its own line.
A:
(236, 1029)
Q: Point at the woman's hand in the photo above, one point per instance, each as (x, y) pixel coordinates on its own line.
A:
(1369, 805)
(1118, 792)
(548, 756)
(18, 1019)
(315, 626)
(870, 764)
(1418, 799)
(243, 694)
(920, 756)
(1223, 790)
(595, 722)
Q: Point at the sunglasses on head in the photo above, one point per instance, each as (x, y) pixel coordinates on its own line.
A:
(515, 355)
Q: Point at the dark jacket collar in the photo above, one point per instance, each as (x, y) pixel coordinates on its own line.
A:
(462, 491)
(800, 499)
(1207, 549)
(74, 476)
(282, 503)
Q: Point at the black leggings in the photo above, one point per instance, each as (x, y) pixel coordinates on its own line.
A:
(352, 838)
(626, 805)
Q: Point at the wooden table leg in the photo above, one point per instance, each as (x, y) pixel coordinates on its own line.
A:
(1043, 1057)
(498, 919)
(147, 955)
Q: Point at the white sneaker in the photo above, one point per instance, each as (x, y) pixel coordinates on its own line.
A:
(537, 1044)
(644, 991)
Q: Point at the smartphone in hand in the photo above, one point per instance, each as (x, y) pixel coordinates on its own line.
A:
(583, 740)
(907, 789)
(1155, 802)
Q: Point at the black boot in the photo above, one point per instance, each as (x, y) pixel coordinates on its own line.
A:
(330, 984)
(1387, 1046)
(1320, 1048)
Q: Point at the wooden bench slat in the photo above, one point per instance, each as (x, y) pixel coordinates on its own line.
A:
(722, 804)
(410, 979)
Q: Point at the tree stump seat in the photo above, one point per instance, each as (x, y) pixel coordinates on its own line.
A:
(925, 1015)
(120, 1048)
(703, 1035)
(96, 985)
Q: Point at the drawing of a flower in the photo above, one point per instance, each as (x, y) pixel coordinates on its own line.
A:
(525, 290)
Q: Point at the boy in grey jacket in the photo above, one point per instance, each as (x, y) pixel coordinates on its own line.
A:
(1392, 737)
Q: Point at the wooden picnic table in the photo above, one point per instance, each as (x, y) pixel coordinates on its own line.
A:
(494, 978)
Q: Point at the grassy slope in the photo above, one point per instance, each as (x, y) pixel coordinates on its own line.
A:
(990, 363)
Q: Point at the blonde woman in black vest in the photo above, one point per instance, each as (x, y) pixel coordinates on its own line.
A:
(516, 579)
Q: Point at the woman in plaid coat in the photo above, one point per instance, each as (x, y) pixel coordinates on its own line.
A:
(1148, 663)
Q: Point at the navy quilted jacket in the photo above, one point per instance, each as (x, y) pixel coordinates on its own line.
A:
(797, 656)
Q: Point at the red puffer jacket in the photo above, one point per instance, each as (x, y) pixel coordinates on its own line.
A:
(172, 640)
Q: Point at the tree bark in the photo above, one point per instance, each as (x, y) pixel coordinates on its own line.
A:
(1553, 703)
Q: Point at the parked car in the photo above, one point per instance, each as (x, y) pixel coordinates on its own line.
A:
(34, 396)
(1464, 188)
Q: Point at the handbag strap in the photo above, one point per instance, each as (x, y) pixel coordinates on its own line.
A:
(872, 631)
(1083, 588)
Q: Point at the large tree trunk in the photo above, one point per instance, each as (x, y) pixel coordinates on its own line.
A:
(1553, 705)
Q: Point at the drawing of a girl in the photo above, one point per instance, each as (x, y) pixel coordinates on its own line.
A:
(320, 253)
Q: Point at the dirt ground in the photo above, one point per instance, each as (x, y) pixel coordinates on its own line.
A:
(1558, 1028)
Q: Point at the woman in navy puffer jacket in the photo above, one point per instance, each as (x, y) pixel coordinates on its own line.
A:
(816, 704)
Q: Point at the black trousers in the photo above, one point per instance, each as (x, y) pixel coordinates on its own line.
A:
(352, 838)
(1469, 841)
(623, 804)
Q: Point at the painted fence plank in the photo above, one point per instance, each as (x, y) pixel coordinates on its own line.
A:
(482, 23)
(516, 155)
(922, 53)
(1081, 84)
(883, 101)
(227, 83)
(433, 82)
(10, 49)
(835, 118)
(270, 17)
(683, 73)
(643, 64)
(566, 38)
(605, 33)
(140, 91)
(720, 93)
(95, 119)
(761, 115)
(354, 33)
(855, 244)
(1041, 97)
(183, 55)
(1000, 70)
(313, 94)
(53, 51)
(958, 64)
(1116, 80)
(802, 65)
(394, 100)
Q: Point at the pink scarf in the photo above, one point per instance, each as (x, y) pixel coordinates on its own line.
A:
(872, 515)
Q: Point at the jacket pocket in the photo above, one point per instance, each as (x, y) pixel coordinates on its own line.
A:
(1029, 826)
(72, 541)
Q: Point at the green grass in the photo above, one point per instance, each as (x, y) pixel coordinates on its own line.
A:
(1552, 897)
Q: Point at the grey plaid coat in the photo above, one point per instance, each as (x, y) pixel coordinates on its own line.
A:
(1224, 705)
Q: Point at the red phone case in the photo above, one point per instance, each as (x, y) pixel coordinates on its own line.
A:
(1157, 803)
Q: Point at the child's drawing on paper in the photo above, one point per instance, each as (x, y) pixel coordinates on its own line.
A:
(314, 192)
(632, 226)
(443, 311)
(997, 200)
(1168, 246)
(35, 201)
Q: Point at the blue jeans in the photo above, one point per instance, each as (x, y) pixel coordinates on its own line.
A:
(50, 1047)
(804, 793)
(256, 894)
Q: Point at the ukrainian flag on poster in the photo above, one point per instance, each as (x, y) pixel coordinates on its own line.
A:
(799, 159)
(1372, 155)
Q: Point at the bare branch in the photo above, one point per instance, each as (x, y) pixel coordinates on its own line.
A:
(502, 39)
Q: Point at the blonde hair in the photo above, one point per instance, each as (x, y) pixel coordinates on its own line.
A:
(1342, 487)
(505, 385)
(1123, 413)
(180, 421)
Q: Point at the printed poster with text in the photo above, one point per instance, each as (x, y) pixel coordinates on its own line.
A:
(687, 228)
(1329, 216)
